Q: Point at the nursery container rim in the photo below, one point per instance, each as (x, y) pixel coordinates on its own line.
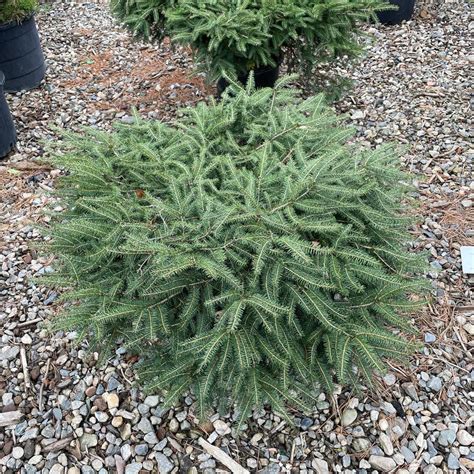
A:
(13, 23)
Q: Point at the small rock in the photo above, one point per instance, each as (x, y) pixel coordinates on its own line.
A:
(437, 460)
(111, 399)
(255, 439)
(57, 469)
(389, 379)
(152, 401)
(35, 459)
(150, 438)
(252, 463)
(348, 416)
(446, 437)
(126, 452)
(87, 440)
(361, 444)
(453, 461)
(465, 438)
(161, 445)
(174, 425)
(31, 433)
(117, 421)
(90, 391)
(429, 338)
(101, 417)
(410, 390)
(357, 115)
(9, 352)
(383, 424)
(112, 384)
(125, 431)
(26, 339)
(469, 328)
(435, 384)
(17, 452)
(145, 426)
(306, 423)
(320, 466)
(141, 449)
(386, 444)
(164, 464)
(133, 468)
(100, 404)
(433, 408)
(221, 428)
(382, 463)
(407, 454)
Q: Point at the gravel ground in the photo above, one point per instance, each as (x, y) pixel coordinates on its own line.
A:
(68, 412)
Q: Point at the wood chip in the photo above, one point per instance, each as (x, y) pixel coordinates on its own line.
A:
(58, 445)
(10, 418)
(24, 364)
(222, 457)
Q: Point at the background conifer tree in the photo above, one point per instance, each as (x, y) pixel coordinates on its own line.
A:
(235, 36)
(245, 251)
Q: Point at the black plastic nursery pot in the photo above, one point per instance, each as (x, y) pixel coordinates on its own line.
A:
(394, 17)
(21, 56)
(7, 129)
(264, 77)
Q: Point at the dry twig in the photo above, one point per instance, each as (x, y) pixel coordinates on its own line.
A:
(24, 364)
(40, 400)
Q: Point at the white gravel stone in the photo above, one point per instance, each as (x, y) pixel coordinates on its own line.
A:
(26, 339)
(164, 464)
(17, 452)
(382, 463)
(386, 444)
(349, 415)
(320, 466)
(221, 428)
(465, 438)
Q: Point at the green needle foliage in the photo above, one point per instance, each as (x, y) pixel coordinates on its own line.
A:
(145, 18)
(246, 251)
(16, 10)
(235, 36)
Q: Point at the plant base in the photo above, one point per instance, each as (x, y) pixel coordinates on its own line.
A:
(264, 77)
(394, 17)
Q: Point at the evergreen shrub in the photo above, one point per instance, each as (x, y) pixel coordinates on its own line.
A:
(245, 251)
(145, 18)
(235, 36)
(16, 10)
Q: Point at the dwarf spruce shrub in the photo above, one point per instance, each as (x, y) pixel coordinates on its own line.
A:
(145, 18)
(245, 251)
(235, 36)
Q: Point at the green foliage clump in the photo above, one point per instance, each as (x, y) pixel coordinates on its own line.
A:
(16, 10)
(246, 251)
(235, 36)
(145, 18)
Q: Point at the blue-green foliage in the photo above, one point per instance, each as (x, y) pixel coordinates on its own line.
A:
(234, 36)
(245, 251)
(145, 18)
